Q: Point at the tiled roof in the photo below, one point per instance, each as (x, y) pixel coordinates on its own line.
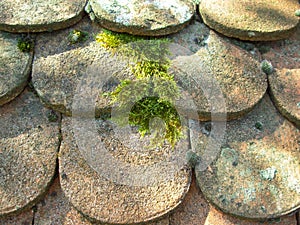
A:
(222, 77)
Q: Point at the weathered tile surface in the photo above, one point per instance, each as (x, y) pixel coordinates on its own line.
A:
(60, 67)
(115, 192)
(39, 15)
(56, 209)
(283, 54)
(251, 20)
(151, 18)
(256, 174)
(285, 91)
(14, 67)
(284, 82)
(220, 78)
(193, 210)
(28, 152)
(216, 217)
(24, 218)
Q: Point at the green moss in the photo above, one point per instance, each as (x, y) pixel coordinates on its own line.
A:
(112, 40)
(76, 36)
(151, 107)
(25, 44)
(150, 68)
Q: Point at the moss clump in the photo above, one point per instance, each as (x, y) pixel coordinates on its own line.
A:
(112, 40)
(267, 67)
(25, 44)
(152, 107)
(152, 79)
(76, 36)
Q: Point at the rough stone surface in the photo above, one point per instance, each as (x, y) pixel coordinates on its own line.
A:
(190, 39)
(285, 91)
(216, 217)
(283, 54)
(55, 209)
(28, 152)
(194, 209)
(25, 218)
(256, 174)
(219, 75)
(59, 67)
(284, 82)
(251, 20)
(14, 67)
(151, 18)
(39, 15)
(98, 195)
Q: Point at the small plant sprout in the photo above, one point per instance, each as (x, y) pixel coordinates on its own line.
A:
(267, 67)
(25, 44)
(258, 125)
(297, 13)
(76, 36)
(52, 117)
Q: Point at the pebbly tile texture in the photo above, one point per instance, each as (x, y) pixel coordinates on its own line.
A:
(24, 218)
(28, 151)
(216, 217)
(285, 90)
(256, 174)
(229, 72)
(251, 172)
(151, 18)
(284, 82)
(60, 67)
(108, 192)
(194, 209)
(251, 20)
(14, 67)
(56, 209)
(39, 15)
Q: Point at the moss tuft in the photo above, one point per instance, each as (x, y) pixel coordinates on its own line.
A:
(267, 67)
(25, 44)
